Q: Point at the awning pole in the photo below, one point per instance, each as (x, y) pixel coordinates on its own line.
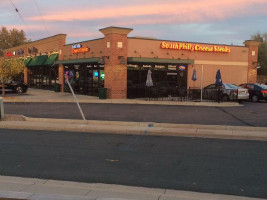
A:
(201, 82)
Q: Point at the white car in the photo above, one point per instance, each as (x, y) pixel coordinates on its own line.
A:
(229, 92)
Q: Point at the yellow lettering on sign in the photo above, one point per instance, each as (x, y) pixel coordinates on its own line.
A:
(80, 50)
(197, 47)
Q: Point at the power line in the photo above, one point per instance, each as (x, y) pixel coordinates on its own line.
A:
(41, 17)
(19, 14)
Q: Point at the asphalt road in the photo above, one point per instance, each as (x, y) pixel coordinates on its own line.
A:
(203, 165)
(250, 114)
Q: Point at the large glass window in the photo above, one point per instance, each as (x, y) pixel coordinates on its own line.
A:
(84, 78)
(43, 77)
(163, 75)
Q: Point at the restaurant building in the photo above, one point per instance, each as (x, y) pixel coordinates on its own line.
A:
(120, 63)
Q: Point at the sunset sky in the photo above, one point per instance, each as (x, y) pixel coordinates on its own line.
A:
(207, 21)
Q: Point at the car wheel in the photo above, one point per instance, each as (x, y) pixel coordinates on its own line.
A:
(19, 89)
(255, 98)
(225, 98)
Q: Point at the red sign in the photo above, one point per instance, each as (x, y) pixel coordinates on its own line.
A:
(9, 54)
(80, 50)
(195, 47)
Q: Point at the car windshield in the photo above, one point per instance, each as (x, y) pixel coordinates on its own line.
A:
(263, 86)
(231, 86)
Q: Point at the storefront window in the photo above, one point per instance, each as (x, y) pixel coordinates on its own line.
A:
(85, 78)
(43, 77)
(133, 75)
(163, 75)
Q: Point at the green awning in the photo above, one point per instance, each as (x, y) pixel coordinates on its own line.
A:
(50, 61)
(78, 61)
(158, 60)
(27, 61)
(38, 60)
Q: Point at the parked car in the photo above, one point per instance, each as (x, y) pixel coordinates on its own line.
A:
(15, 86)
(256, 91)
(228, 92)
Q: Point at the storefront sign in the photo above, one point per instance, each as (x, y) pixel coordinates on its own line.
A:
(81, 50)
(102, 76)
(171, 73)
(95, 74)
(32, 50)
(8, 54)
(195, 47)
(19, 52)
(159, 67)
(181, 67)
(78, 48)
(146, 66)
(171, 67)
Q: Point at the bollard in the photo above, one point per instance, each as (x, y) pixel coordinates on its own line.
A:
(2, 108)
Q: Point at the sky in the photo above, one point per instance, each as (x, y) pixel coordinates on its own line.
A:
(228, 22)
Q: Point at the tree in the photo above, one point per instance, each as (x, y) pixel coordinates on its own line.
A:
(262, 55)
(11, 38)
(9, 68)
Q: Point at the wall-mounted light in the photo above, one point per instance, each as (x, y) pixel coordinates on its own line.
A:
(96, 54)
(256, 64)
(122, 58)
(137, 53)
(156, 56)
(169, 55)
(102, 60)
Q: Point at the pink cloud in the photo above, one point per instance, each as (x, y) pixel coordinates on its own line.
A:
(83, 34)
(190, 11)
(24, 27)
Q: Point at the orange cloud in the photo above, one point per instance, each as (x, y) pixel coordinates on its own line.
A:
(191, 11)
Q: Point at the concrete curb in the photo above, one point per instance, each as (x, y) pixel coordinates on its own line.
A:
(139, 128)
(45, 189)
(121, 101)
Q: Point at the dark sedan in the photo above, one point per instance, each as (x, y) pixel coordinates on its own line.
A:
(15, 86)
(256, 91)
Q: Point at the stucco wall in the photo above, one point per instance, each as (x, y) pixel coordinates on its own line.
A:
(233, 65)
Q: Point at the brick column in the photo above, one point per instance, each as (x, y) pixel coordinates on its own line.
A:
(252, 60)
(26, 77)
(61, 77)
(115, 50)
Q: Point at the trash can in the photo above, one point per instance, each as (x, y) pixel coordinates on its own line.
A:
(57, 87)
(102, 93)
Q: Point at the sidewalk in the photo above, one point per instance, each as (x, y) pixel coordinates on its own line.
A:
(44, 189)
(37, 95)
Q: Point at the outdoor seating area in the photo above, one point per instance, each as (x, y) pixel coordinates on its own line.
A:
(155, 93)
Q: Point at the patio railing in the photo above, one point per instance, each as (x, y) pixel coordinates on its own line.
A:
(177, 94)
